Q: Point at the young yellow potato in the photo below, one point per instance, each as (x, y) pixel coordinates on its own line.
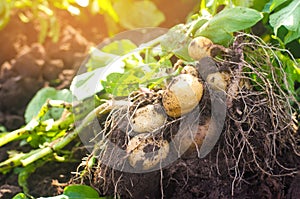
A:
(146, 152)
(148, 118)
(183, 95)
(200, 47)
(190, 70)
(218, 81)
(189, 140)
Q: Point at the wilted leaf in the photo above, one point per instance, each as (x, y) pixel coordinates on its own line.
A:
(138, 14)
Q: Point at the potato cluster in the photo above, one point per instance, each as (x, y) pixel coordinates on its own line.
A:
(182, 95)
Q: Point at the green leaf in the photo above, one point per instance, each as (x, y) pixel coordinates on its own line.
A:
(80, 191)
(119, 47)
(99, 59)
(138, 14)
(289, 18)
(77, 192)
(24, 173)
(220, 28)
(41, 97)
(272, 5)
(176, 41)
(259, 5)
(121, 84)
(146, 75)
(56, 197)
(20, 196)
(2, 129)
(108, 53)
(243, 3)
(87, 84)
(292, 35)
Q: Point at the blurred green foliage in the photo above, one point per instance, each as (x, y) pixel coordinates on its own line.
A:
(115, 12)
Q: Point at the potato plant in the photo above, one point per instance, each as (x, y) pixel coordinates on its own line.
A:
(146, 96)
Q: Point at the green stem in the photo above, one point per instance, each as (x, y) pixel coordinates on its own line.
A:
(12, 136)
(35, 122)
(58, 145)
(14, 161)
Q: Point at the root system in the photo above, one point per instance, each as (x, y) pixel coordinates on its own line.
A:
(257, 150)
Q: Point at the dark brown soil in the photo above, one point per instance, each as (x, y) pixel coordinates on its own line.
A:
(190, 177)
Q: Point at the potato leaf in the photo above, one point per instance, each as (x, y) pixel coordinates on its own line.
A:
(102, 57)
(119, 84)
(272, 5)
(176, 41)
(119, 47)
(74, 192)
(220, 28)
(87, 84)
(289, 18)
(80, 191)
(99, 59)
(138, 14)
(291, 70)
(41, 97)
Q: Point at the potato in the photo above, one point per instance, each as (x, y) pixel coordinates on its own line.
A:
(190, 138)
(183, 95)
(146, 152)
(200, 47)
(218, 81)
(148, 118)
(190, 70)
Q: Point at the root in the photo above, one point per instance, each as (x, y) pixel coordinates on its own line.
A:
(259, 128)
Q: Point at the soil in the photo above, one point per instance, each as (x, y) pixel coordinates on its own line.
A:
(27, 66)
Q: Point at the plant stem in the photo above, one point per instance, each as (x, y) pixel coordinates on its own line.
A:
(57, 145)
(33, 156)
(35, 122)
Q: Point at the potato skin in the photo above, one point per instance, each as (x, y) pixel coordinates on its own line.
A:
(183, 95)
(146, 152)
(188, 141)
(190, 70)
(200, 47)
(218, 81)
(148, 118)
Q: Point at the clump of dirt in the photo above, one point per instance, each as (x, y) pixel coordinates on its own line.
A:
(258, 152)
(29, 66)
(25, 67)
